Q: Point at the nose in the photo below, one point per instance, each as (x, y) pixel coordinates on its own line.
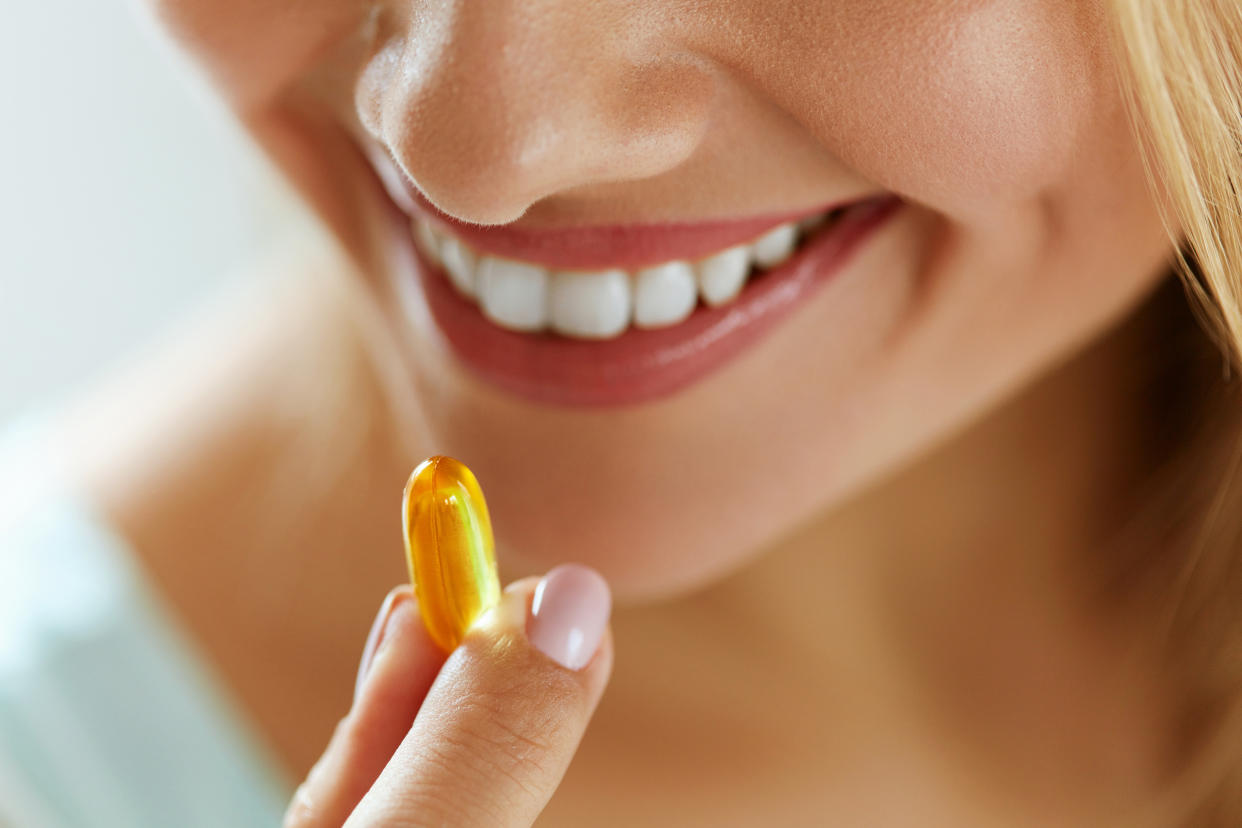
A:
(490, 107)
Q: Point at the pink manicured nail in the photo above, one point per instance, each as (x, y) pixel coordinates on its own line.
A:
(568, 614)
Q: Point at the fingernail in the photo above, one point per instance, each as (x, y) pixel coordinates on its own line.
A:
(568, 615)
(378, 635)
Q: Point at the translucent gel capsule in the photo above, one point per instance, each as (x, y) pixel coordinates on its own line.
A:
(449, 547)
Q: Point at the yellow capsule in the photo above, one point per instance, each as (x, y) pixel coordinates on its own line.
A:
(449, 547)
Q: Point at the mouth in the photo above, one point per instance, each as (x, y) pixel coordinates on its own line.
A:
(618, 315)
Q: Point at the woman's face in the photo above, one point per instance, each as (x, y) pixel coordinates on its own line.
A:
(672, 130)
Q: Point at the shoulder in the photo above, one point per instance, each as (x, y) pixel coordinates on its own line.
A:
(101, 699)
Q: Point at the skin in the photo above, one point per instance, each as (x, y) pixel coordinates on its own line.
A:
(999, 120)
(846, 459)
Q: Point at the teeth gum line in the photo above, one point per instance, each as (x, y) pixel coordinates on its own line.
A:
(526, 297)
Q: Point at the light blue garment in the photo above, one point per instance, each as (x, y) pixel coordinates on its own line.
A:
(107, 716)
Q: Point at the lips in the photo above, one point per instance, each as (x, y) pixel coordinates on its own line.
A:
(637, 364)
(601, 304)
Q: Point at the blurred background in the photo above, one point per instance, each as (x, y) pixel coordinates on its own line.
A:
(128, 199)
(127, 195)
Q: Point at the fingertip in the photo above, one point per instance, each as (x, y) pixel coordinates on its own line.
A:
(503, 719)
(568, 614)
(522, 585)
(405, 658)
(377, 632)
(597, 671)
(564, 614)
(393, 627)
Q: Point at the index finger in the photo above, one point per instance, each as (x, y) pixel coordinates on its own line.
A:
(399, 664)
(502, 721)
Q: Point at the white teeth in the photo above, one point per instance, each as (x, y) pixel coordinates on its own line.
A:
(664, 295)
(427, 241)
(722, 276)
(459, 262)
(526, 297)
(775, 246)
(592, 305)
(513, 294)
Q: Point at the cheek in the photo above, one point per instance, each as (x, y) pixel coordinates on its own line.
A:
(253, 50)
(958, 107)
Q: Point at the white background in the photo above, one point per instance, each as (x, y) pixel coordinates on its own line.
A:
(127, 195)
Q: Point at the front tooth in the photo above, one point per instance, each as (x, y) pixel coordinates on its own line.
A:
(459, 262)
(776, 245)
(664, 295)
(593, 305)
(513, 294)
(721, 276)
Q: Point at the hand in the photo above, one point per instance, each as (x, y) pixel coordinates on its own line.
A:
(482, 738)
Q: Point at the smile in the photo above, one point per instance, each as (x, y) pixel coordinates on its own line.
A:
(623, 314)
(602, 304)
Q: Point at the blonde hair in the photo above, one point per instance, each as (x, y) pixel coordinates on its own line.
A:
(1180, 65)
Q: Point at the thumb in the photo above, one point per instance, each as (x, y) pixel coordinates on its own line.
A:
(503, 719)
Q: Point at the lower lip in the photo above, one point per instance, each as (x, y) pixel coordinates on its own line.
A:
(644, 365)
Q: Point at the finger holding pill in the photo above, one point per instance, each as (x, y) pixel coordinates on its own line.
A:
(484, 736)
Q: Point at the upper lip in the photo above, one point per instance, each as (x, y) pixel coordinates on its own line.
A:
(600, 247)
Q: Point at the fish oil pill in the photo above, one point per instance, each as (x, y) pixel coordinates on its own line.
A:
(449, 548)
